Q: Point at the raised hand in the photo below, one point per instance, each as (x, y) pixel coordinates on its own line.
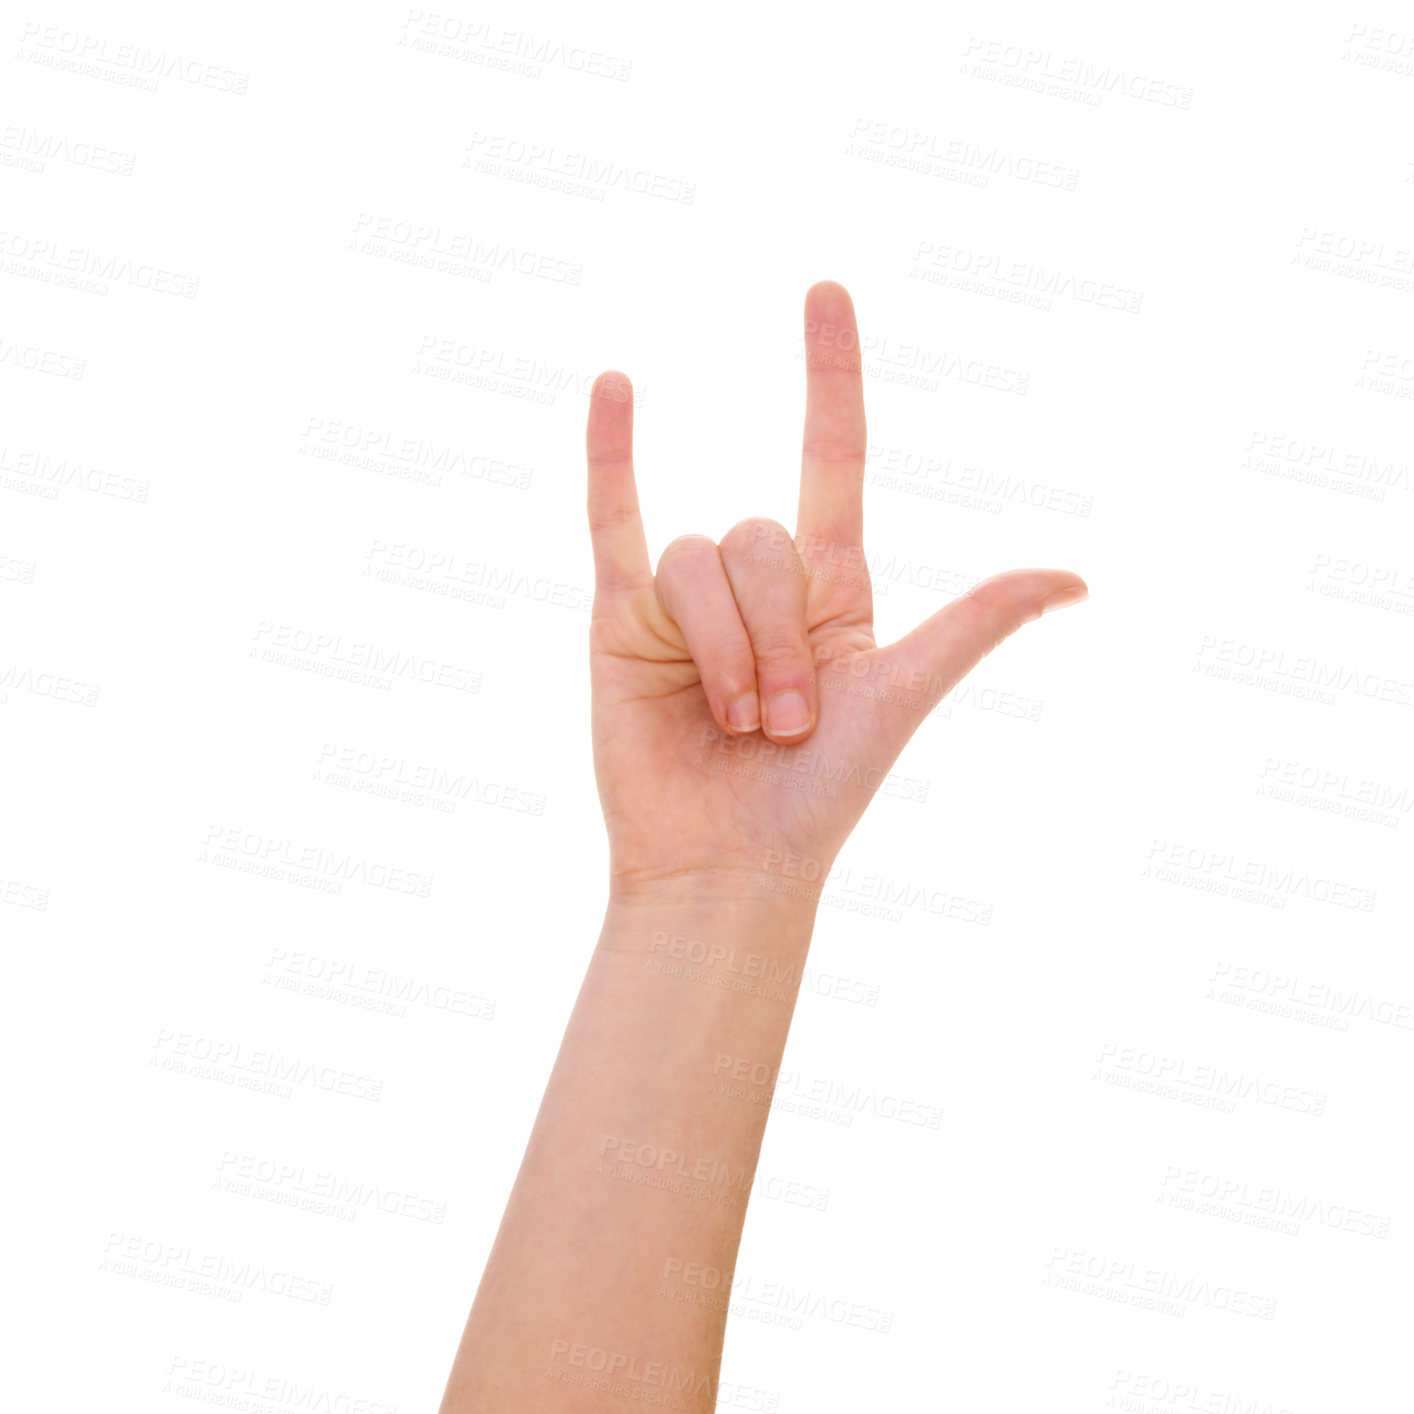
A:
(740, 704)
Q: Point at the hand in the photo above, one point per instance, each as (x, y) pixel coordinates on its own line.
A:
(740, 704)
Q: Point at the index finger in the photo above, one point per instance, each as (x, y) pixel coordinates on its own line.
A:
(835, 445)
(615, 526)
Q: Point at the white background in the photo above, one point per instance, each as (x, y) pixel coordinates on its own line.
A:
(1144, 939)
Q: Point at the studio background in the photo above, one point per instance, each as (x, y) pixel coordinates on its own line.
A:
(299, 311)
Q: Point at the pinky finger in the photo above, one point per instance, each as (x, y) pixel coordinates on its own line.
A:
(615, 526)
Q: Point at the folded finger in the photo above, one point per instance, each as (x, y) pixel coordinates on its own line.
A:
(768, 583)
(693, 589)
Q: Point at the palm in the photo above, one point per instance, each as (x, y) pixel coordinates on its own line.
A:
(683, 795)
(661, 757)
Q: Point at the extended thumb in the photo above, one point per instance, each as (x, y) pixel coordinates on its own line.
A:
(943, 649)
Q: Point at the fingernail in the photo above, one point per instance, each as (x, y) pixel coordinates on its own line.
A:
(1064, 598)
(744, 714)
(787, 714)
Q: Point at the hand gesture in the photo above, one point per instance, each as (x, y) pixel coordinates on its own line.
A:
(741, 708)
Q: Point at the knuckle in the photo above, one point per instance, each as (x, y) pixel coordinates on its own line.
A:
(780, 651)
(729, 680)
(686, 551)
(610, 518)
(723, 651)
(757, 535)
(730, 651)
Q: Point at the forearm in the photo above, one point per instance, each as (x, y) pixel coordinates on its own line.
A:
(642, 1155)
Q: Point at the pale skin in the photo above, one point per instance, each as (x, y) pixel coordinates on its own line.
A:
(743, 718)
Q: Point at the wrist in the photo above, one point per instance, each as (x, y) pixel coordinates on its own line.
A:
(709, 918)
(757, 874)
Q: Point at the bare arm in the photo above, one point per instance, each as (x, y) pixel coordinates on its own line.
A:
(742, 712)
(640, 1163)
